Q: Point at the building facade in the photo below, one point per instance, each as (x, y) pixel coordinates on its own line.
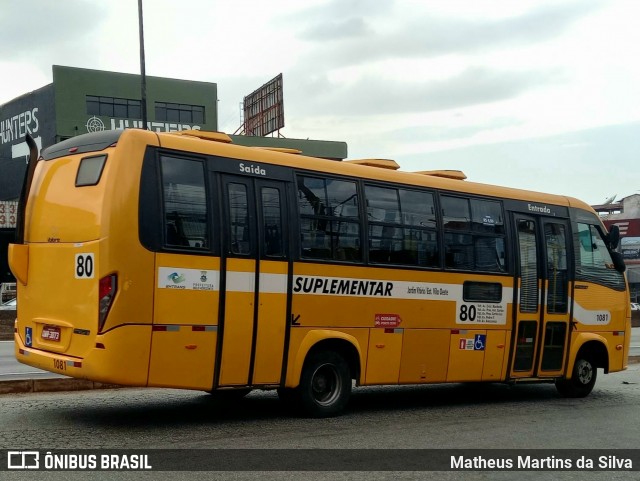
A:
(625, 213)
(82, 100)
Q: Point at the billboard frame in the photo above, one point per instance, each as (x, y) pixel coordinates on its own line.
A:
(264, 109)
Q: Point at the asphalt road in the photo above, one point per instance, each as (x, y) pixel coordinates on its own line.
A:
(10, 369)
(443, 417)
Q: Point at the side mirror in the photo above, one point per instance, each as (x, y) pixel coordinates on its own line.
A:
(614, 237)
(618, 261)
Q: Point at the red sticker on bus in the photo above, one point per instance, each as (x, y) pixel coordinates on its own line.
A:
(387, 320)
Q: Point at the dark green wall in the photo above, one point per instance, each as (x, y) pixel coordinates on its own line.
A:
(72, 85)
(313, 148)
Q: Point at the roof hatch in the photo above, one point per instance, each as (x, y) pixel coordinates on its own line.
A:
(447, 174)
(205, 135)
(380, 163)
(281, 149)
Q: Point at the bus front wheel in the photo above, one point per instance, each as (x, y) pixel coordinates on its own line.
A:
(325, 384)
(582, 380)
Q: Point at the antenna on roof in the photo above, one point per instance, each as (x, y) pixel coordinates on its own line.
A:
(143, 74)
(610, 199)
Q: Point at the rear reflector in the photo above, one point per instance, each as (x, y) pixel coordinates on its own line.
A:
(165, 328)
(107, 291)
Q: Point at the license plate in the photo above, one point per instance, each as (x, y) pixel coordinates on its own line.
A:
(50, 333)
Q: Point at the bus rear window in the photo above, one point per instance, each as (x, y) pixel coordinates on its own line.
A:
(90, 170)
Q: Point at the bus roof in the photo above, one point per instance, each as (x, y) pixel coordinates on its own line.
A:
(369, 168)
(218, 143)
(81, 144)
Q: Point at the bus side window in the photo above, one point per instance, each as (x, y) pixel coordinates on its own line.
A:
(329, 221)
(184, 203)
(239, 235)
(474, 234)
(593, 261)
(272, 222)
(173, 238)
(273, 240)
(401, 226)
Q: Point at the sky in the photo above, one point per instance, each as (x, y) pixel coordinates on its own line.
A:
(541, 95)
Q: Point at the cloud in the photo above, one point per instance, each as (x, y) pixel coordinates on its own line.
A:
(338, 29)
(43, 27)
(438, 133)
(318, 15)
(375, 95)
(337, 20)
(590, 164)
(425, 35)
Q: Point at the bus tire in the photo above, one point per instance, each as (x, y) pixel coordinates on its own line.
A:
(582, 380)
(325, 384)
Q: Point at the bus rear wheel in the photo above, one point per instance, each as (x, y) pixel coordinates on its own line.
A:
(582, 380)
(325, 384)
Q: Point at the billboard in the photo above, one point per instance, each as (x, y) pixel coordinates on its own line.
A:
(264, 109)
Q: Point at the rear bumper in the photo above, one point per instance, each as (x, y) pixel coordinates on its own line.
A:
(120, 356)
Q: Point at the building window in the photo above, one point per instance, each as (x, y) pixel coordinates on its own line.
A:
(114, 107)
(183, 113)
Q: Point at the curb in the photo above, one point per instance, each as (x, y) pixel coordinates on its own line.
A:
(51, 385)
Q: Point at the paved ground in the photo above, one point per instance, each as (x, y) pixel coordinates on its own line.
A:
(6, 325)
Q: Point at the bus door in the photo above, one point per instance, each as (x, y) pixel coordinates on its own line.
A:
(254, 279)
(541, 307)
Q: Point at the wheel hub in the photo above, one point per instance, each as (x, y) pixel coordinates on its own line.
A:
(325, 384)
(585, 371)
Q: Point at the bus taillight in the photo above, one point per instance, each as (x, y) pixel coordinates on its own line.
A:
(108, 288)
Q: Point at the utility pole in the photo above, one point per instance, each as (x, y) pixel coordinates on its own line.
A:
(143, 75)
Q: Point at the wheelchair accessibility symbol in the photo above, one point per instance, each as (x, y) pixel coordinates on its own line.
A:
(28, 336)
(479, 342)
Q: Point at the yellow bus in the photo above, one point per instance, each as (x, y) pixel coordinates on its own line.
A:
(182, 260)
